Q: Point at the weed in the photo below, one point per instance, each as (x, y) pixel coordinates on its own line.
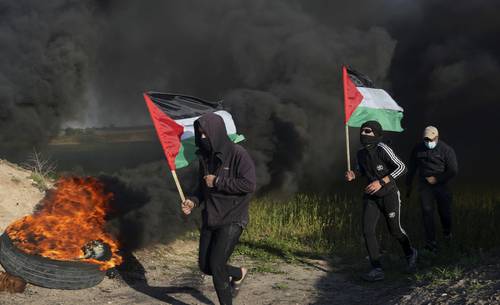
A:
(42, 170)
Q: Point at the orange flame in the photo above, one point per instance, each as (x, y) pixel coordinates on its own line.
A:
(71, 215)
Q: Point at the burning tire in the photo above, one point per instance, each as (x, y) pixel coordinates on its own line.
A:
(46, 272)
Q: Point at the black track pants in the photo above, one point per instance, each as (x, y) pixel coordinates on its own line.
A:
(390, 207)
(216, 246)
(429, 196)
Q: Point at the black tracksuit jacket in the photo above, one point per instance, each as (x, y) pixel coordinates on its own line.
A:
(380, 161)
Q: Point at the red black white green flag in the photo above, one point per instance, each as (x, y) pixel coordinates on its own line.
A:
(173, 116)
(363, 102)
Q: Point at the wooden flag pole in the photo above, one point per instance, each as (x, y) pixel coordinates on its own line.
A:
(347, 147)
(179, 188)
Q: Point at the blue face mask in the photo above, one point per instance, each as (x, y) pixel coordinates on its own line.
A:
(430, 145)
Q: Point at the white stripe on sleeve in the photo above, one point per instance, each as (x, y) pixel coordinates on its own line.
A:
(401, 166)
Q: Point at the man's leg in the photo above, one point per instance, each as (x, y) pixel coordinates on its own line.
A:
(427, 205)
(204, 250)
(223, 243)
(371, 214)
(392, 214)
(444, 200)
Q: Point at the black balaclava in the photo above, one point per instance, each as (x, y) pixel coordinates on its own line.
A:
(205, 146)
(371, 141)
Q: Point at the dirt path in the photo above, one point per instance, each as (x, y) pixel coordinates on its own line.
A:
(169, 275)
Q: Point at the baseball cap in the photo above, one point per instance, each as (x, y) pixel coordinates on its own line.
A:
(431, 132)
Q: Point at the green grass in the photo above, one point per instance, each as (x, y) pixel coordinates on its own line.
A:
(303, 226)
(321, 226)
(438, 276)
(39, 181)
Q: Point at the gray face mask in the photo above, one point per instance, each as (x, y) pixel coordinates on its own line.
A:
(430, 144)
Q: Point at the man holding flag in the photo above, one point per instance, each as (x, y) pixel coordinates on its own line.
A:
(227, 181)
(381, 166)
(188, 127)
(374, 111)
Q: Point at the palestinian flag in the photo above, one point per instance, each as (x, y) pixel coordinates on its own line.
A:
(173, 116)
(363, 102)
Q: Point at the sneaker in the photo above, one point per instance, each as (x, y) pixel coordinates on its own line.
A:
(412, 261)
(236, 285)
(376, 274)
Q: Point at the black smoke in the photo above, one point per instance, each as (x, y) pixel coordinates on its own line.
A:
(446, 69)
(275, 63)
(46, 64)
(276, 66)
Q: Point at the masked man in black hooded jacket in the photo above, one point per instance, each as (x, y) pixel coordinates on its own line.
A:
(227, 181)
(381, 166)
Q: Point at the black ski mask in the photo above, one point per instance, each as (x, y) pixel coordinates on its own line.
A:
(205, 145)
(371, 141)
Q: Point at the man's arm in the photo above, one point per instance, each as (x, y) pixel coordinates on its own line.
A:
(245, 182)
(451, 166)
(358, 170)
(398, 167)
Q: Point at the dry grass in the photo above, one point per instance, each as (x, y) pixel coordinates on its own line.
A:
(323, 225)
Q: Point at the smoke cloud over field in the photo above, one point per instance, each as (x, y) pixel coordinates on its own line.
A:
(275, 63)
(45, 67)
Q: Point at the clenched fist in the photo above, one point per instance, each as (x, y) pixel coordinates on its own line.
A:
(349, 176)
(187, 206)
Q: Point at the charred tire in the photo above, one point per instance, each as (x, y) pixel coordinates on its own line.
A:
(47, 272)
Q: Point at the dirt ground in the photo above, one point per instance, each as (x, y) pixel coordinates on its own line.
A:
(18, 195)
(168, 274)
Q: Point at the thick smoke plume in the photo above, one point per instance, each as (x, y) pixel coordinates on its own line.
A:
(45, 66)
(446, 69)
(275, 63)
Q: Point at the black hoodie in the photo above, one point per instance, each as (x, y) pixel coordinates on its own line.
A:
(229, 200)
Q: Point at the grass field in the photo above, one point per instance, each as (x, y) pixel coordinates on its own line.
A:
(326, 226)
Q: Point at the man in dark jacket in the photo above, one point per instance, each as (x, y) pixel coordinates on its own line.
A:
(227, 181)
(436, 163)
(380, 165)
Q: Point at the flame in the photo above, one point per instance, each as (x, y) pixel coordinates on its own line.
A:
(71, 215)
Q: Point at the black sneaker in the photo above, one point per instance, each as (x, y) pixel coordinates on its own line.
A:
(412, 261)
(376, 274)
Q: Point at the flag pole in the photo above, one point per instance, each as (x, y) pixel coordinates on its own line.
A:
(347, 147)
(179, 188)
(344, 75)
